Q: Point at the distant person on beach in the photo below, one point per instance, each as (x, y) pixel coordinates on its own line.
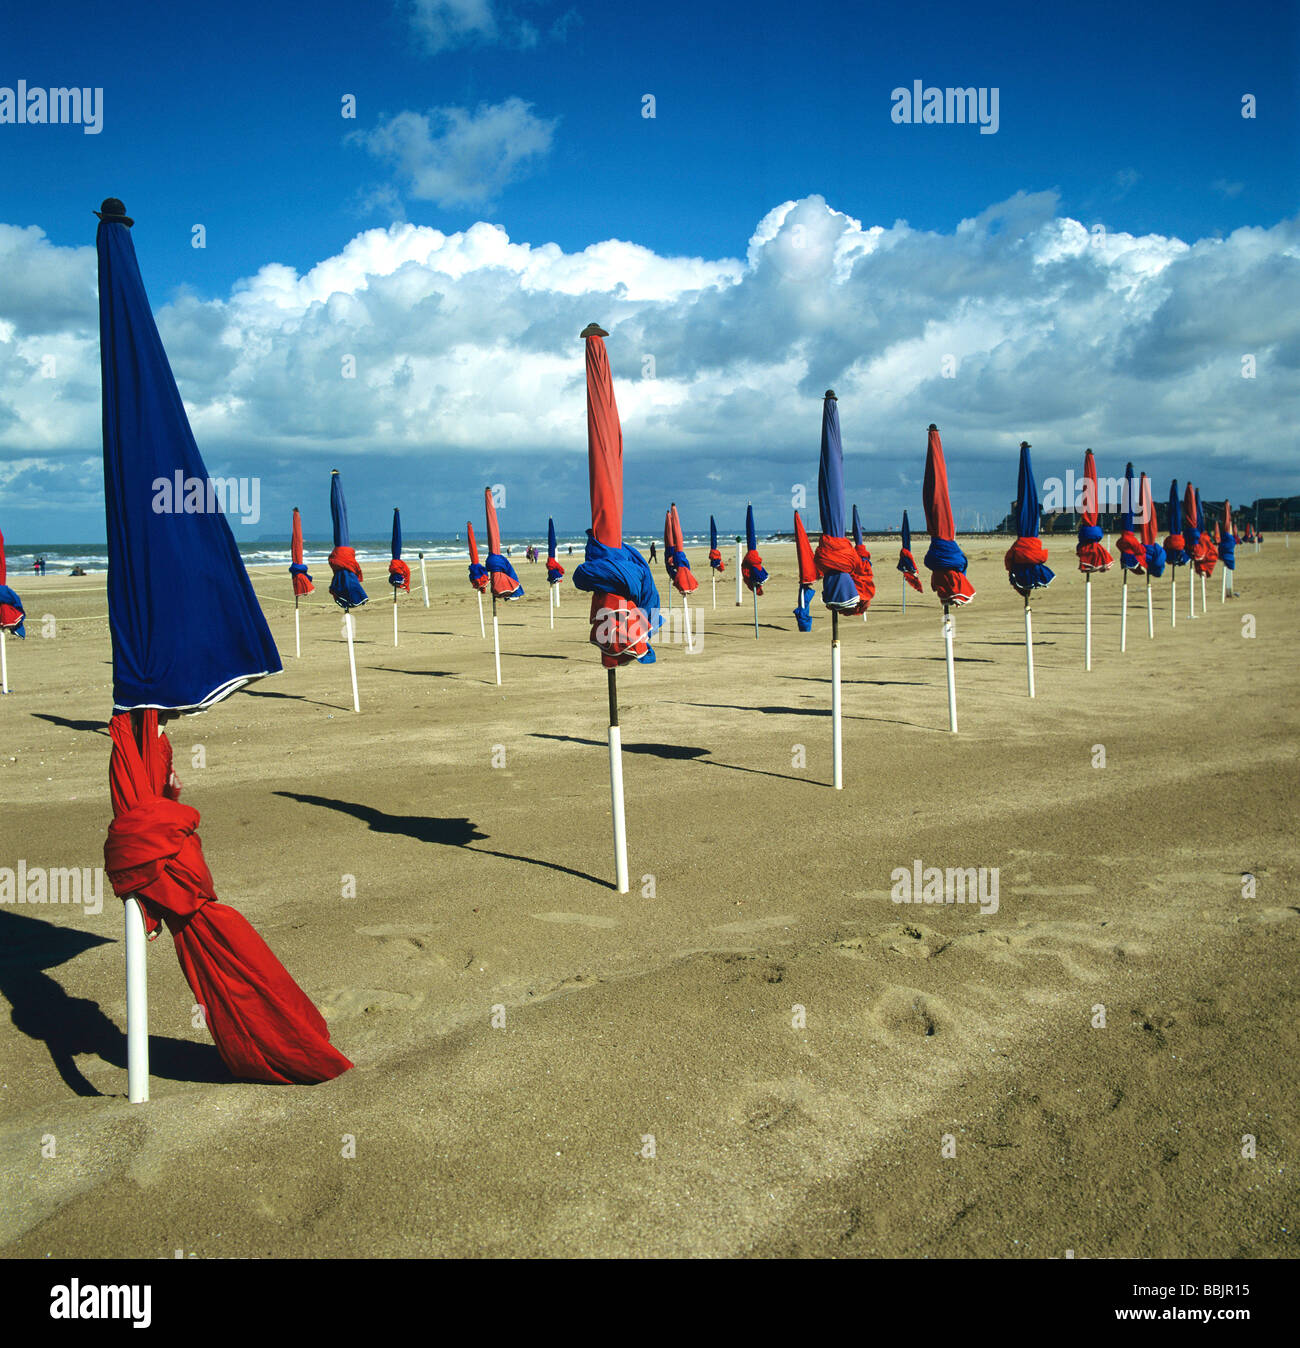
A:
(653, 553)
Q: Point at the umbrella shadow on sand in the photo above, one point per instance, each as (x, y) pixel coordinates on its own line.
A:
(423, 828)
(69, 1026)
(676, 752)
(95, 727)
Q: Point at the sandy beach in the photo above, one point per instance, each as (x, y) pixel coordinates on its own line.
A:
(755, 1052)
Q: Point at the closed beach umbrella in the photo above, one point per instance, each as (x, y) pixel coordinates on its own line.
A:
(1195, 545)
(501, 575)
(1175, 549)
(174, 651)
(716, 563)
(945, 560)
(1132, 553)
(844, 576)
(1228, 549)
(11, 618)
(680, 575)
(478, 576)
(1092, 555)
(399, 573)
(1026, 558)
(751, 566)
(907, 563)
(1154, 554)
(302, 582)
(807, 576)
(554, 571)
(624, 600)
(345, 583)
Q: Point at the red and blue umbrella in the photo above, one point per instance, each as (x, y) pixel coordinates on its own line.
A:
(751, 567)
(807, 576)
(1228, 543)
(1026, 558)
(478, 574)
(346, 583)
(715, 557)
(1208, 554)
(1092, 555)
(675, 560)
(11, 607)
(1154, 553)
(399, 574)
(554, 571)
(302, 582)
(1132, 551)
(1175, 543)
(624, 599)
(505, 584)
(945, 560)
(906, 562)
(844, 588)
(179, 649)
(11, 618)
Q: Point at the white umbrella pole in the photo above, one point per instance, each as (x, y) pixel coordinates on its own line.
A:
(755, 612)
(1151, 611)
(297, 630)
(424, 580)
(1029, 647)
(1223, 597)
(1123, 617)
(1087, 620)
(952, 674)
(739, 601)
(904, 594)
(1191, 590)
(1173, 599)
(551, 589)
(137, 1005)
(616, 787)
(837, 746)
(394, 615)
(482, 631)
(1202, 593)
(496, 639)
(4, 662)
(352, 661)
(715, 589)
(686, 623)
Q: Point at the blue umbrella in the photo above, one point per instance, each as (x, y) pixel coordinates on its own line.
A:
(187, 628)
(346, 584)
(1026, 558)
(839, 591)
(751, 566)
(857, 529)
(178, 647)
(1175, 543)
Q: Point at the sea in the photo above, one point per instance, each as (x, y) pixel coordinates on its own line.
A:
(61, 558)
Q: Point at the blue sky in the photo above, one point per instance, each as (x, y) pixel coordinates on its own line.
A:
(528, 116)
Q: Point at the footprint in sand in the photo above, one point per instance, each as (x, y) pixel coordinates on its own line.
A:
(755, 925)
(910, 1013)
(912, 940)
(343, 1003)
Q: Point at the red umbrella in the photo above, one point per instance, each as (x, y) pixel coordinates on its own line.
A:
(1092, 555)
(808, 576)
(302, 583)
(264, 1026)
(624, 601)
(945, 559)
